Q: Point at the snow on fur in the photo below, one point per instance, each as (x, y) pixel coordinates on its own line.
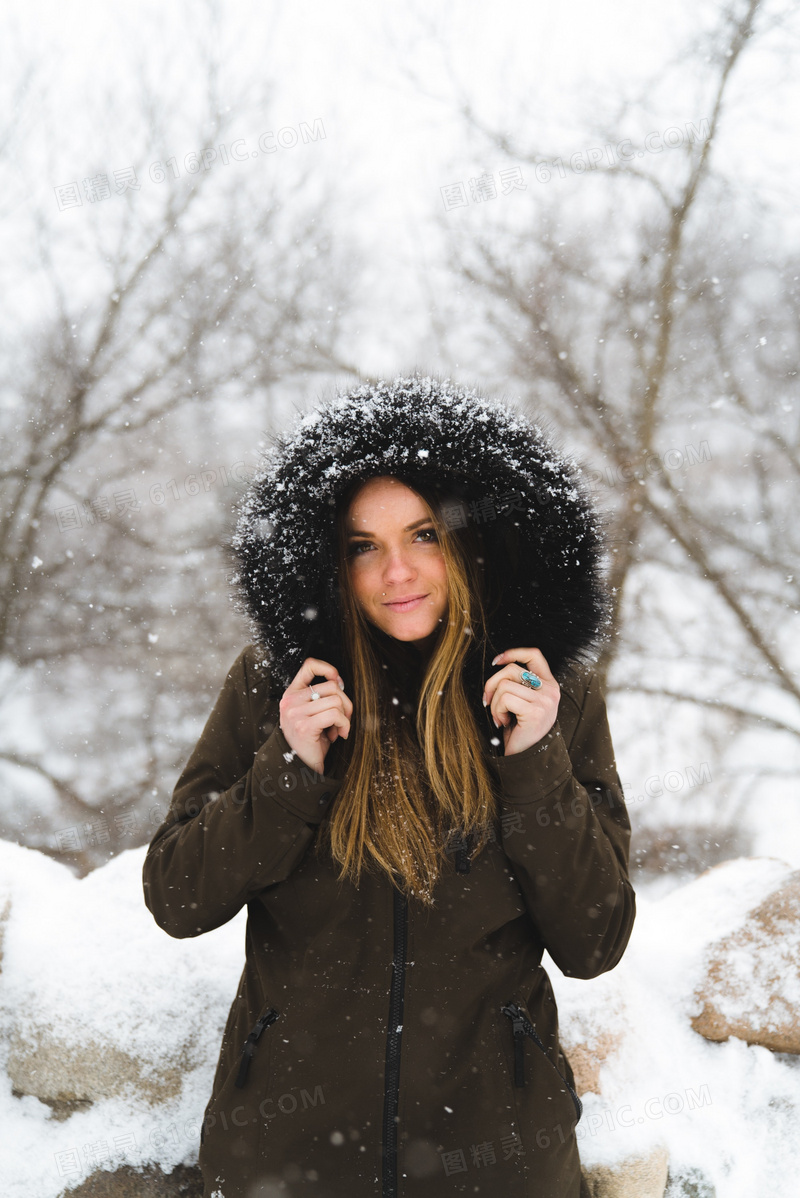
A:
(419, 427)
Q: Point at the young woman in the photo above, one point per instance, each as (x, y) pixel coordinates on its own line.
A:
(408, 779)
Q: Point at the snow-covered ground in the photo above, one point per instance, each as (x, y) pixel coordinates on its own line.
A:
(85, 959)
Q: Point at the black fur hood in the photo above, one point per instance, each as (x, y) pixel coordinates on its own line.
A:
(541, 534)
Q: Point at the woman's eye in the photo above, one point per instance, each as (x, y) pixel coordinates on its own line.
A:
(429, 533)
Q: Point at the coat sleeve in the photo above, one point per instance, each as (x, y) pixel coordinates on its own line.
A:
(568, 838)
(242, 815)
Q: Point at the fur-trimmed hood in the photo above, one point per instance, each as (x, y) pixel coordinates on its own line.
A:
(503, 473)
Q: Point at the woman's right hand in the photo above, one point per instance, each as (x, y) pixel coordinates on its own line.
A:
(312, 725)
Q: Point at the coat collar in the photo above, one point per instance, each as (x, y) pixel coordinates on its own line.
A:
(502, 469)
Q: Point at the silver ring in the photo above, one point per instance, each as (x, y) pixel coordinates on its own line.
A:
(314, 695)
(530, 679)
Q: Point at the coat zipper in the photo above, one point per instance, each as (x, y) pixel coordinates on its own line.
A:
(522, 1027)
(393, 1038)
(248, 1051)
(462, 858)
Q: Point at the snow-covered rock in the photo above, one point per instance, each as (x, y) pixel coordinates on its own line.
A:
(593, 1023)
(98, 1002)
(751, 988)
(725, 1112)
(642, 1176)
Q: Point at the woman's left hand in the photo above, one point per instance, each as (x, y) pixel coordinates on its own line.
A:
(536, 710)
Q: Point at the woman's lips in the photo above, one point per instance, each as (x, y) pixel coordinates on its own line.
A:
(406, 604)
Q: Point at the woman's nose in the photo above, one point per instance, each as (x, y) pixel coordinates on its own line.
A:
(398, 565)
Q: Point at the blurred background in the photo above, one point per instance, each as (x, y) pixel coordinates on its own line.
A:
(215, 214)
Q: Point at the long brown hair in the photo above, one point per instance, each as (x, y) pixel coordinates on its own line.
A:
(416, 767)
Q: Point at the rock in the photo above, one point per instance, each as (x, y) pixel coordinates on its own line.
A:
(593, 1021)
(751, 987)
(689, 1183)
(60, 1073)
(635, 1177)
(183, 1182)
(98, 1002)
(62, 1108)
(588, 1056)
(5, 911)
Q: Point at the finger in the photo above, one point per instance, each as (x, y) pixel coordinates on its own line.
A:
(307, 707)
(323, 714)
(322, 688)
(510, 668)
(300, 706)
(514, 697)
(312, 667)
(532, 659)
(326, 690)
(337, 725)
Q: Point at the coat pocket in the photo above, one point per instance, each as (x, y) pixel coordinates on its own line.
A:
(249, 1047)
(523, 1029)
(227, 1132)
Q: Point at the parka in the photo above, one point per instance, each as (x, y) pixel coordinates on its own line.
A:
(378, 1045)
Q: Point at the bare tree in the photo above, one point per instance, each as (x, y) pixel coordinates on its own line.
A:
(643, 304)
(129, 410)
(628, 318)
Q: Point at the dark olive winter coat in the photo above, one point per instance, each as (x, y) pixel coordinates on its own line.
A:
(378, 1046)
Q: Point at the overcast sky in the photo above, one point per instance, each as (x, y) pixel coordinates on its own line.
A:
(540, 71)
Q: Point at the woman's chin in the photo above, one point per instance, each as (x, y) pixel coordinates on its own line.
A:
(409, 635)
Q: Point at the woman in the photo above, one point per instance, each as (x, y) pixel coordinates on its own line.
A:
(408, 778)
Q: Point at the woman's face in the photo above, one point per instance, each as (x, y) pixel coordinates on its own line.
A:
(393, 555)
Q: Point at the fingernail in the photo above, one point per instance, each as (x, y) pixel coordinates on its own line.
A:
(496, 659)
(341, 685)
(495, 723)
(484, 700)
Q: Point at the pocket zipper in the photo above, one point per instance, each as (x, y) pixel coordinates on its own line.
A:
(248, 1051)
(522, 1027)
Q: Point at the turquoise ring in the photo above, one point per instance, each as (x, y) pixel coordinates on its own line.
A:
(531, 680)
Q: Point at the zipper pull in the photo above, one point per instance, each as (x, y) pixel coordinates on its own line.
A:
(248, 1051)
(518, 1028)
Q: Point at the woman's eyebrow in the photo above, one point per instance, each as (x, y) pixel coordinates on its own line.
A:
(408, 528)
